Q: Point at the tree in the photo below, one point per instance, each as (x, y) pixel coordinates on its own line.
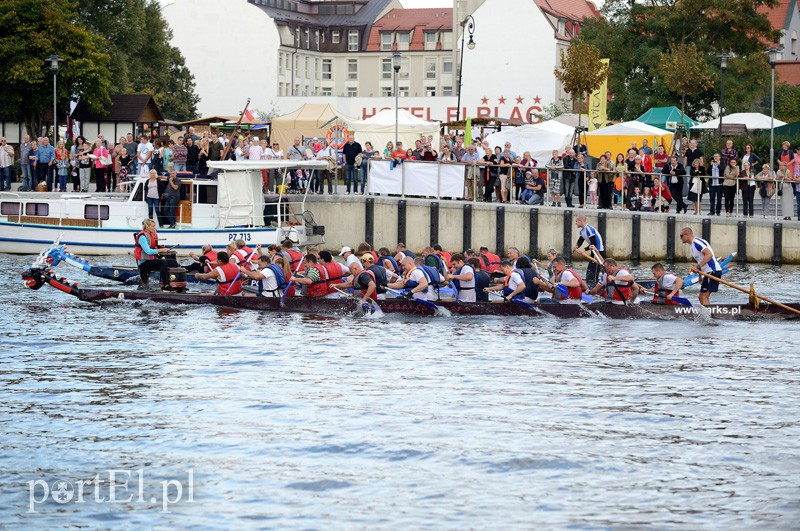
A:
(581, 72)
(32, 30)
(137, 37)
(634, 35)
(685, 70)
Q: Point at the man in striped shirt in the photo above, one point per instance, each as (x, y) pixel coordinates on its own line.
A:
(706, 262)
(589, 234)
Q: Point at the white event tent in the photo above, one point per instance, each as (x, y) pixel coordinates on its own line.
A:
(540, 139)
(753, 120)
(379, 129)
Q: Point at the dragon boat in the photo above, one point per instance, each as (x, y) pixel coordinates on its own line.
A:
(41, 274)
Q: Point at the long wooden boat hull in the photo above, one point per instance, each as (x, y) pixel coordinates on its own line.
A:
(36, 277)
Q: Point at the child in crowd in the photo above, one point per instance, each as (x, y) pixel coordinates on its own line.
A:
(647, 201)
(636, 199)
(593, 191)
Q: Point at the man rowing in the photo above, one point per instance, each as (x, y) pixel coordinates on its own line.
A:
(315, 279)
(490, 262)
(706, 262)
(245, 256)
(413, 282)
(463, 279)
(227, 274)
(589, 235)
(482, 280)
(514, 255)
(269, 277)
(518, 285)
(668, 285)
(564, 277)
(616, 284)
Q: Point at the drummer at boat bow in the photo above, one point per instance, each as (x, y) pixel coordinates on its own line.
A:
(589, 235)
(148, 254)
(616, 284)
(706, 262)
(227, 275)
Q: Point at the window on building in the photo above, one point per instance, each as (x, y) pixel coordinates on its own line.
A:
(288, 59)
(430, 40)
(326, 91)
(316, 39)
(307, 67)
(430, 91)
(386, 40)
(794, 43)
(308, 38)
(297, 37)
(404, 68)
(317, 73)
(403, 91)
(386, 69)
(352, 69)
(447, 91)
(352, 40)
(447, 67)
(386, 91)
(403, 40)
(447, 40)
(335, 37)
(327, 69)
(430, 68)
(352, 92)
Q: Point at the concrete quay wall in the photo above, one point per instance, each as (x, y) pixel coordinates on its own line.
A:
(457, 225)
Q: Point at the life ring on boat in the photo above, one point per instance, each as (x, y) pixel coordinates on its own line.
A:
(335, 134)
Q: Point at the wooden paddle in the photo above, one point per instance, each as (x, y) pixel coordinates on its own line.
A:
(744, 290)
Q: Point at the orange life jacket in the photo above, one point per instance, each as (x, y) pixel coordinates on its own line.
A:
(334, 274)
(624, 288)
(211, 259)
(446, 257)
(491, 262)
(374, 295)
(320, 287)
(229, 286)
(295, 258)
(138, 252)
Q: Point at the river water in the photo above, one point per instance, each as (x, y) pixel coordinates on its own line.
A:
(291, 421)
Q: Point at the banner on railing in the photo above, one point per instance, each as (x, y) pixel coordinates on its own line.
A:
(425, 179)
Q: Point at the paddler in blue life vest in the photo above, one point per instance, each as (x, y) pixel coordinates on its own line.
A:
(513, 286)
(148, 255)
(413, 281)
(463, 279)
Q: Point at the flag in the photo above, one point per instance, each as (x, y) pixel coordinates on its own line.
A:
(249, 116)
(468, 132)
(597, 105)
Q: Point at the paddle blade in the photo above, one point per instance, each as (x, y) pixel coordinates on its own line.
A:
(682, 301)
(564, 292)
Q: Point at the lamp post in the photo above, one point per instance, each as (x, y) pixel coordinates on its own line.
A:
(469, 25)
(54, 60)
(774, 55)
(396, 60)
(723, 57)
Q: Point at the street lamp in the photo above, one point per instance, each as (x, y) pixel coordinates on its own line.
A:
(723, 57)
(774, 55)
(54, 60)
(469, 25)
(396, 60)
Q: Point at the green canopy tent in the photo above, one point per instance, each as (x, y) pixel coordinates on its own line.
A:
(790, 130)
(666, 118)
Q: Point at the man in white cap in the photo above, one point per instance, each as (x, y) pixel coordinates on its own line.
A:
(349, 257)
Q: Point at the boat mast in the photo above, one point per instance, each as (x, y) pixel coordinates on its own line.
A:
(235, 130)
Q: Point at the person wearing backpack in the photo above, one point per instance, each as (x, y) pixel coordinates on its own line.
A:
(270, 280)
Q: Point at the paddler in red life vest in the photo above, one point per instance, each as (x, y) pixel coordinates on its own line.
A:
(490, 262)
(314, 279)
(147, 254)
(245, 255)
(227, 274)
(668, 285)
(565, 277)
(293, 254)
(446, 257)
(203, 263)
(616, 285)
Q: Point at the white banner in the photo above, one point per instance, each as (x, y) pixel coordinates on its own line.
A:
(423, 179)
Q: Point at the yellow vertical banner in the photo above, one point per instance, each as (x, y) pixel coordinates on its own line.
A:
(597, 105)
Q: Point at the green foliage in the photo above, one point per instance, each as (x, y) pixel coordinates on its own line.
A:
(581, 71)
(555, 109)
(137, 38)
(634, 35)
(31, 31)
(787, 103)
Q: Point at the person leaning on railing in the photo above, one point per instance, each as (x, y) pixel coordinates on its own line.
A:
(766, 188)
(715, 171)
(785, 189)
(554, 178)
(605, 182)
(747, 184)
(472, 180)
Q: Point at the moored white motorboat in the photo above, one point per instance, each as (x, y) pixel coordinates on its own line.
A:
(212, 210)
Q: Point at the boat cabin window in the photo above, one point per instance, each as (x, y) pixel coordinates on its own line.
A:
(7, 208)
(138, 192)
(95, 212)
(206, 194)
(37, 209)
